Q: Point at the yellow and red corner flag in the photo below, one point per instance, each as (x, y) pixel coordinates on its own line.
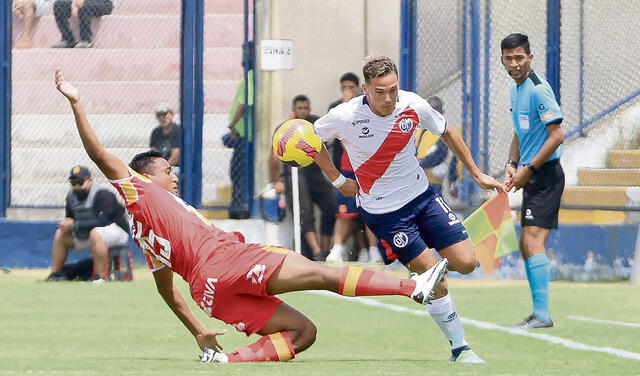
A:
(492, 232)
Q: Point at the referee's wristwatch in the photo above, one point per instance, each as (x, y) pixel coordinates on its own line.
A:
(512, 162)
(531, 167)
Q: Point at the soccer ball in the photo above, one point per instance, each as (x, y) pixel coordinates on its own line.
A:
(296, 143)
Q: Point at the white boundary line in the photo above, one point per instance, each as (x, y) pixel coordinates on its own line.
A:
(619, 323)
(490, 326)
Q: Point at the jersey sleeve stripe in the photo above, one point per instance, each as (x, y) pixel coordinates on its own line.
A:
(130, 192)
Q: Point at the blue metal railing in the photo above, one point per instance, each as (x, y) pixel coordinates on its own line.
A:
(187, 100)
(5, 107)
(408, 49)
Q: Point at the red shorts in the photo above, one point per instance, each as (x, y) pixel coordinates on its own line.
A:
(231, 285)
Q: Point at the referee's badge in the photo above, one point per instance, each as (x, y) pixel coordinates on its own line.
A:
(400, 239)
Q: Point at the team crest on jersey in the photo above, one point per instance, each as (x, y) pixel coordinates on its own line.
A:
(400, 239)
(406, 125)
(241, 327)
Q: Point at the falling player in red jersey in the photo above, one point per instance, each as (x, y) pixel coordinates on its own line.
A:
(219, 267)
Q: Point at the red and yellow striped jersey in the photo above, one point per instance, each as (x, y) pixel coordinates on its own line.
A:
(169, 231)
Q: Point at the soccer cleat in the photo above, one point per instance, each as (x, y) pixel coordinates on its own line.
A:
(465, 355)
(533, 322)
(212, 356)
(427, 281)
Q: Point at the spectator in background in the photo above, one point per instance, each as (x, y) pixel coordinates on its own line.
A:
(166, 136)
(314, 189)
(83, 10)
(347, 215)
(432, 154)
(27, 11)
(93, 220)
(237, 139)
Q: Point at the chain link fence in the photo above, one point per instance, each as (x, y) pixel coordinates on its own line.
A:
(129, 79)
(458, 59)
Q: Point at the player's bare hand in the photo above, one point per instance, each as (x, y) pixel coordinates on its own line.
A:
(66, 225)
(509, 173)
(521, 178)
(68, 90)
(208, 339)
(485, 181)
(349, 188)
(279, 187)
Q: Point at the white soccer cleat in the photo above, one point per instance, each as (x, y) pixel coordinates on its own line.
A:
(466, 356)
(212, 356)
(334, 256)
(427, 281)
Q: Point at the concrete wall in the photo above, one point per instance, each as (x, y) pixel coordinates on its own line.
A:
(330, 37)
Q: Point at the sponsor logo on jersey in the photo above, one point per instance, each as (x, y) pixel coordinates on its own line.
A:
(406, 125)
(400, 239)
(256, 274)
(358, 122)
(207, 298)
(541, 107)
(365, 133)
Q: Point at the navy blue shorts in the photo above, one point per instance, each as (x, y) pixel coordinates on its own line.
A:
(424, 222)
(346, 206)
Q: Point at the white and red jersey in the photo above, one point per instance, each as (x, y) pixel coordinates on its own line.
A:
(169, 231)
(382, 149)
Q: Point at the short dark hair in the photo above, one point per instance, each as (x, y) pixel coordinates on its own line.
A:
(300, 98)
(515, 40)
(350, 76)
(438, 105)
(378, 66)
(142, 161)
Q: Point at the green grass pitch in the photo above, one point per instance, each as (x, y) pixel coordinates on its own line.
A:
(126, 329)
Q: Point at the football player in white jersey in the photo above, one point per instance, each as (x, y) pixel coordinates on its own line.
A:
(392, 189)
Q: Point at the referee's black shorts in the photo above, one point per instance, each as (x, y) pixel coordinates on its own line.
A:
(541, 196)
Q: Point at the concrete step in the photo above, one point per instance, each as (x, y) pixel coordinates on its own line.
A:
(603, 196)
(123, 97)
(161, 64)
(113, 130)
(173, 7)
(623, 159)
(609, 177)
(597, 217)
(144, 31)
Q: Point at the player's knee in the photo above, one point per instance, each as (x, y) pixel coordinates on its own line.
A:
(306, 337)
(469, 265)
(94, 234)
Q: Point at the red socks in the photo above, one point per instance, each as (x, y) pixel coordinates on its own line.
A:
(356, 281)
(271, 348)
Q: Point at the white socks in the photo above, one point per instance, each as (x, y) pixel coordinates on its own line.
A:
(374, 254)
(444, 314)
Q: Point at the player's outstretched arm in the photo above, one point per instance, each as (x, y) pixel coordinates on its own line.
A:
(174, 299)
(347, 187)
(454, 141)
(112, 167)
